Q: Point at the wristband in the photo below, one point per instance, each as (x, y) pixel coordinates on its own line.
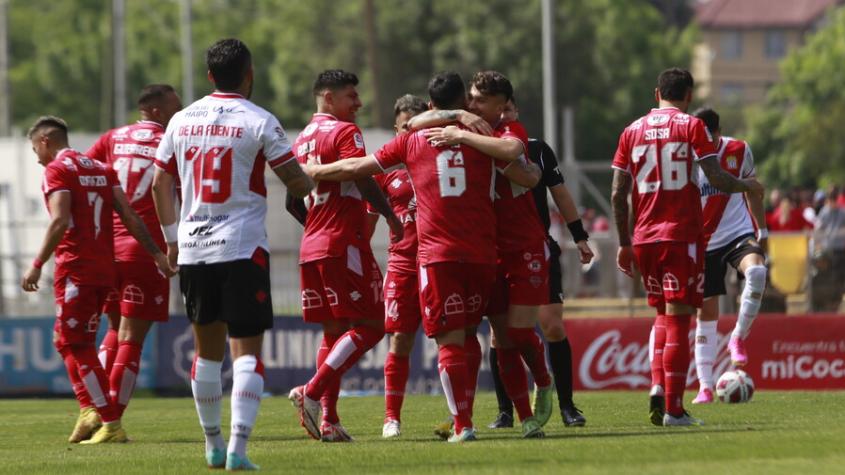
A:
(171, 232)
(576, 228)
(762, 233)
(37, 263)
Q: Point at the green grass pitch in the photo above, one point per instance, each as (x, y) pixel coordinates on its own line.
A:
(778, 432)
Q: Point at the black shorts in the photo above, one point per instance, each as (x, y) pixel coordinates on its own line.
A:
(716, 262)
(235, 292)
(555, 272)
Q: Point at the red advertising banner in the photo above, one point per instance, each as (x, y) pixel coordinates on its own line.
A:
(785, 352)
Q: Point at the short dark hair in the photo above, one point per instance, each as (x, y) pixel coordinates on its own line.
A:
(447, 90)
(709, 117)
(674, 84)
(228, 61)
(153, 94)
(410, 104)
(492, 83)
(48, 122)
(333, 79)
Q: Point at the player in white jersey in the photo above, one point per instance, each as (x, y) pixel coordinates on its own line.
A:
(729, 231)
(218, 148)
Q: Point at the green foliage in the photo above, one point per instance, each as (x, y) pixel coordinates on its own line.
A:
(608, 56)
(797, 132)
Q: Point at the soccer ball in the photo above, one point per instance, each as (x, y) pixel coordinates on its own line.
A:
(734, 386)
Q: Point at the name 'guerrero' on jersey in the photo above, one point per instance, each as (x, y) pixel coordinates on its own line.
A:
(218, 147)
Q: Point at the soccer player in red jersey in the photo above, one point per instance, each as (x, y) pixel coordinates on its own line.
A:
(341, 281)
(218, 148)
(734, 228)
(402, 315)
(523, 256)
(658, 152)
(457, 233)
(141, 293)
(551, 315)
(81, 194)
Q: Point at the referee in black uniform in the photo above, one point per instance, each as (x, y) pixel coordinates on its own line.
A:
(551, 315)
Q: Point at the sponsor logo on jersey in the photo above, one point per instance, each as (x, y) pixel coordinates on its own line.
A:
(359, 140)
(142, 135)
(355, 295)
(205, 230)
(684, 119)
(92, 180)
(85, 162)
(657, 119)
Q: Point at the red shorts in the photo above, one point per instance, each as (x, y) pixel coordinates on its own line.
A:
(78, 311)
(522, 278)
(401, 302)
(345, 287)
(673, 272)
(454, 295)
(141, 293)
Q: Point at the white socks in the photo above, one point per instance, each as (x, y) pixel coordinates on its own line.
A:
(247, 387)
(755, 284)
(705, 352)
(208, 393)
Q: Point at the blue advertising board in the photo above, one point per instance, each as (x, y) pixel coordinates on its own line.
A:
(30, 364)
(290, 353)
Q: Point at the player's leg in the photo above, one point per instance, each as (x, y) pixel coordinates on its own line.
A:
(560, 359)
(200, 286)
(505, 417)
(753, 267)
(402, 319)
(501, 348)
(145, 295)
(88, 421)
(247, 309)
(107, 351)
(648, 262)
(522, 320)
(706, 338)
(356, 284)
(683, 287)
(332, 331)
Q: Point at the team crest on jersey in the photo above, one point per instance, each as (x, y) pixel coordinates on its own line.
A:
(142, 135)
(121, 132)
(682, 119)
(68, 163)
(359, 140)
(731, 162)
(657, 119)
(85, 162)
(396, 183)
(309, 129)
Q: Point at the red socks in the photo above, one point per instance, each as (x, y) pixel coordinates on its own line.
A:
(453, 375)
(514, 379)
(124, 373)
(472, 349)
(658, 341)
(108, 350)
(396, 370)
(533, 352)
(330, 396)
(96, 383)
(345, 353)
(75, 381)
(676, 361)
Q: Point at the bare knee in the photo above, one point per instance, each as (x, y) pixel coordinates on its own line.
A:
(551, 322)
(402, 343)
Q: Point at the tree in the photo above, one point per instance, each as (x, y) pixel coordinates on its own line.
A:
(796, 134)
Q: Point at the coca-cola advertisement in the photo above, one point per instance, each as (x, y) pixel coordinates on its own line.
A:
(785, 352)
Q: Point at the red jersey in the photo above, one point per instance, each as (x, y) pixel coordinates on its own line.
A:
(131, 152)
(517, 220)
(86, 251)
(396, 186)
(454, 194)
(336, 212)
(659, 151)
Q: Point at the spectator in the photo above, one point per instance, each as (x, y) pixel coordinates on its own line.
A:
(788, 216)
(807, 210)
(828, 279)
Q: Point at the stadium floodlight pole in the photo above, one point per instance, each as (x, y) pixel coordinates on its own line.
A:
(187, 51)
(549, 96)
(5, 96)
(119, 44)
